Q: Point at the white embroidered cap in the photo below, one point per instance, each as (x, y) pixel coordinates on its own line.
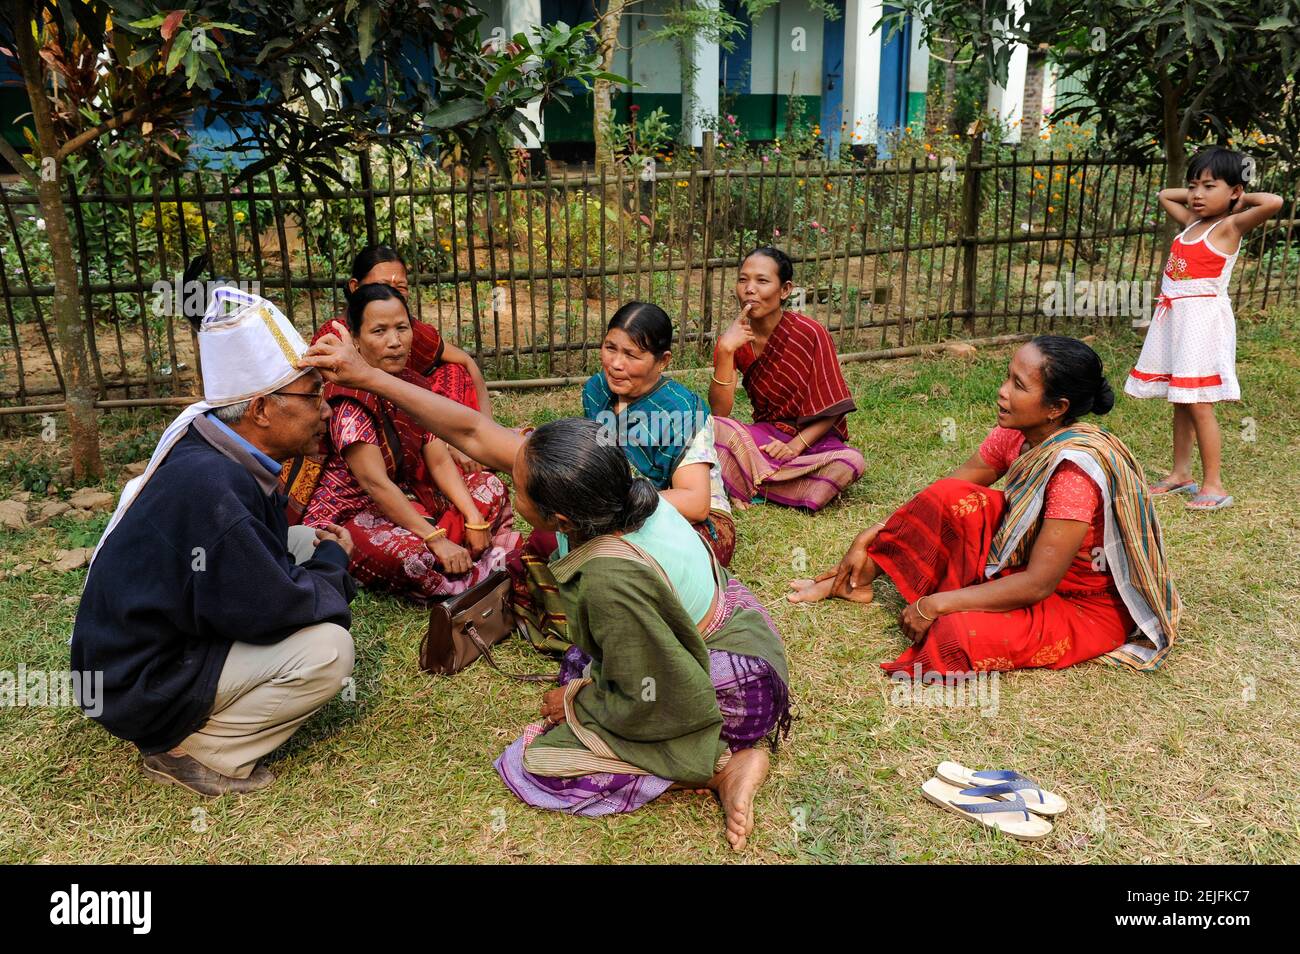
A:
(247, 347)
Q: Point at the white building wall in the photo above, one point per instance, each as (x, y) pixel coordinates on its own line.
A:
(799, 49)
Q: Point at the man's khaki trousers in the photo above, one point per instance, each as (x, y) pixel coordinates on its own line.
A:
(266, 692)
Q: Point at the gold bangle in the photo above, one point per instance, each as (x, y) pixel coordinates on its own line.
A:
(920, 612)
(802, 440)
(477, 526)
(725, 384)
(435, 532)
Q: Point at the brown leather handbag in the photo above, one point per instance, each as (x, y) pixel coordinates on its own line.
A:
(466, 626)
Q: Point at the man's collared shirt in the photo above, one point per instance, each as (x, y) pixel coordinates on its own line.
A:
(269, 463)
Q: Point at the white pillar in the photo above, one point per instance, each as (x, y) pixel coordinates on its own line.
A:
(1008, 102)
(520, 17)
(705, 88)
(861, 70)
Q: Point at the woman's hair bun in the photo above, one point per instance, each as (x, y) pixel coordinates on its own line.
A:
(1105, 398)
(642, 499)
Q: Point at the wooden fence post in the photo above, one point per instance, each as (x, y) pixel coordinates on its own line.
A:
(970, 216)
(368, 186)
(706, 298)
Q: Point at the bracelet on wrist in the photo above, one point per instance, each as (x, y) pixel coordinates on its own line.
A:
(432, 534)
(477, 526)
(921, 612)
(726, 384)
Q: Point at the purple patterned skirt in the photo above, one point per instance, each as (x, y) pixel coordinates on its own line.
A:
(754, 701)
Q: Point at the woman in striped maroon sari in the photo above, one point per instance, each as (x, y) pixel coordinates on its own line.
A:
(795, 452)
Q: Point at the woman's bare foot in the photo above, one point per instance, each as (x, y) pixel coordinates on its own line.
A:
(812, 591)
(736, 785)
(738, 504)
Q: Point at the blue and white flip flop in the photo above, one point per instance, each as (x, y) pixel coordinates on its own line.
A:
(1210, 502)
(1007, 815)
(1164, 487)
(1003, 784)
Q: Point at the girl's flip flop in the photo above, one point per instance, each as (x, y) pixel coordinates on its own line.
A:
(1209, 502)
(1003, 784)
(1009, 816)
(1167, 486)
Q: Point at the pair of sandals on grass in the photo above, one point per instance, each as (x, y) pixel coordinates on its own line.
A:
(1199, 501)
(1002, 800)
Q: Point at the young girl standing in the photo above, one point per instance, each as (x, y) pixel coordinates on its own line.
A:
(1190, 353)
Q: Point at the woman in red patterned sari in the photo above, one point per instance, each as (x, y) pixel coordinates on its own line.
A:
(451, 371)
(419, 527)
(795, 452)
(1065, 565)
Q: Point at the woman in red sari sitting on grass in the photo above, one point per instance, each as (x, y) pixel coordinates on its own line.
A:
(451, 371)
(795, 452)
(1067, 564)
(419, 527)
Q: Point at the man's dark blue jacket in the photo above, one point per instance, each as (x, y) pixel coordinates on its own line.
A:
(198, 561)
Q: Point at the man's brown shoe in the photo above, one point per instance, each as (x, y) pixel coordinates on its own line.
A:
(198, 778)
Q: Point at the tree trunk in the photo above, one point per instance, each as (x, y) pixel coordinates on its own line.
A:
(69, 323)
(1175, 151)
(602, 111)
(949, 87)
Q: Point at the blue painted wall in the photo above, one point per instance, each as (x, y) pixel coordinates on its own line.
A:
(833, 80)
(895, 56)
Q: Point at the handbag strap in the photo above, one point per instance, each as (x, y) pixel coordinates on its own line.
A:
(483, 649)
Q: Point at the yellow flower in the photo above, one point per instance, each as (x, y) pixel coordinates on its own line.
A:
(1051, 208)
(239, 216)
(927, 147)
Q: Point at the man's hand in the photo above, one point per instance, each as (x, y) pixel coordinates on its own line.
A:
(340, 535)
(338, 359)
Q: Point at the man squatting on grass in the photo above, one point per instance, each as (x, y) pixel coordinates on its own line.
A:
(238, 631)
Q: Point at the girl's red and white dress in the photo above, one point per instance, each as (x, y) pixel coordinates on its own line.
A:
(1190, 353)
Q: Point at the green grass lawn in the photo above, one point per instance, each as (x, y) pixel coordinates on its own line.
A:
(1194, 763)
